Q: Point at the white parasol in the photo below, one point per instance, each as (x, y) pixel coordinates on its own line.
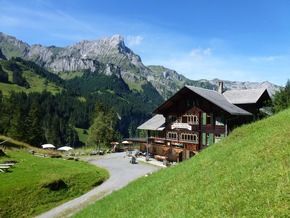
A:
(65, 148)
(48, 146)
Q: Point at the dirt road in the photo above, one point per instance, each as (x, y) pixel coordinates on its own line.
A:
(121, 173)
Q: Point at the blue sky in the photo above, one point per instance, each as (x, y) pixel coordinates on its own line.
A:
(242, 40)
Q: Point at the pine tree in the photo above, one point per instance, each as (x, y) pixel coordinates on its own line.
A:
(281, 99)
(35, 132)
(3, 75)
(100, 132)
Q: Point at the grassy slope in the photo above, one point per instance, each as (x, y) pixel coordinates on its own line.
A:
(36, 82)
(22, 191)
(244, 175)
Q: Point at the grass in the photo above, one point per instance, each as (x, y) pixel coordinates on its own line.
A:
(70, 75)
(82, 135)
(36, 184)
(134, 85)
(244, 175)
(37, 84)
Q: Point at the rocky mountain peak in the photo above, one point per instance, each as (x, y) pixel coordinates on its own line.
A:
(117, 41)
(11, 40)
(10, 43)
(109, 55)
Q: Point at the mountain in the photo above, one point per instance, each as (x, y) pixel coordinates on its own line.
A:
(110, 56)
(2, 56)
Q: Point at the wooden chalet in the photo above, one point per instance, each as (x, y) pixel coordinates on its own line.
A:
(195, 118)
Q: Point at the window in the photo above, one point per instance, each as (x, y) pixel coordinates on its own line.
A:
(192, 137)
(218, 137)
(189, 101)
(172, 118)
(219, 120)
(191, 118)
(207, 119)
(172, 135)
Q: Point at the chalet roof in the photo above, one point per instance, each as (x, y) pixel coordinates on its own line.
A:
(219, 100)
(248, 96)
(155, 123)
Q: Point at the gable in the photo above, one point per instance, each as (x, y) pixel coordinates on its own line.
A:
(210, 95)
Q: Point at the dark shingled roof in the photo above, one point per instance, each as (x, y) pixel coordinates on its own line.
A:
(157, 122)
(219, 100)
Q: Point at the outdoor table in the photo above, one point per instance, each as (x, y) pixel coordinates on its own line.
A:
(4, 168)
(7, 164)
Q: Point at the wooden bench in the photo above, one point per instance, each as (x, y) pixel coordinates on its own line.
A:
(4, 169)
(6, 164)
(159, 157)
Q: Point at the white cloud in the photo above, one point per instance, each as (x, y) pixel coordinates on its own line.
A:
(267, 58)
(134, 40)
(203, 64)
(199, 53)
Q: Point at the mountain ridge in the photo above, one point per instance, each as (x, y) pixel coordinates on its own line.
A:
(110, 55)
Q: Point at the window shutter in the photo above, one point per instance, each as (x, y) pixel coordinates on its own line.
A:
(211, 119)
(204, 138)
(203, 118)
(211, 139)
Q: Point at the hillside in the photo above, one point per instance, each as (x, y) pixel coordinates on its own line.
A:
(36, 184)
(26, 76)
(244, 175)
(59, 106)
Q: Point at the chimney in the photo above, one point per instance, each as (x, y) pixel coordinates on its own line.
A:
(221, 88)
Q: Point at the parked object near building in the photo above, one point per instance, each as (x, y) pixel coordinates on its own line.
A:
(195, 118)
(133, 159)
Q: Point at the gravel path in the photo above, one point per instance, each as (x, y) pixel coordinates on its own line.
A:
(121, 173)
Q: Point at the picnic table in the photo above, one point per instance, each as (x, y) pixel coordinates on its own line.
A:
(4, 167)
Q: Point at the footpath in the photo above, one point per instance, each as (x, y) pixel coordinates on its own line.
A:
(150, 161)
(122, 172)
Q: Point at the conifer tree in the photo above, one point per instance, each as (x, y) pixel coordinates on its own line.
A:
(281, 99)
(101, 131)
(3, 75)
(35, 132)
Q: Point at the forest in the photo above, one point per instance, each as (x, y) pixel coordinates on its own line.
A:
(103, 106)
(45, 117)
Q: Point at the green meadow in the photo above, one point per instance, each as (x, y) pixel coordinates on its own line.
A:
(244, 175)
(36, 184)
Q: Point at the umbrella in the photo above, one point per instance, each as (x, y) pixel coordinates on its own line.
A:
(65, 148)
(48, 146)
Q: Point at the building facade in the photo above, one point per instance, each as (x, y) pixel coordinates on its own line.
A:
(195, 118)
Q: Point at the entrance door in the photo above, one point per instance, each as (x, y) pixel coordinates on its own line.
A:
(180, 156)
